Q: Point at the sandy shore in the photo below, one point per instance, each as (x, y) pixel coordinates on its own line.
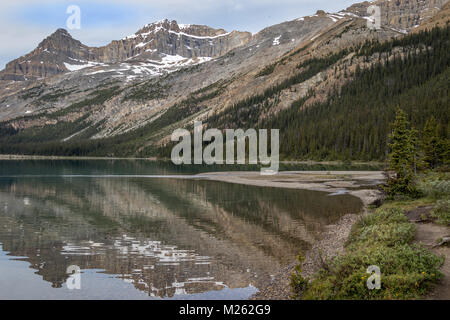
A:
(361, 184)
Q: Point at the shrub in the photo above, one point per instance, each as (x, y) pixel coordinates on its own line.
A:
(298, 283)
(381, 239)
(435, 186)
(388, 227)
(442, 212)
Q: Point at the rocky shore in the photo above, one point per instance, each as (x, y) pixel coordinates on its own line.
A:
(331, 244)
(357, 183)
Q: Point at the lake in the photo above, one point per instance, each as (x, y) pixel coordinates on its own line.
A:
(149, 230)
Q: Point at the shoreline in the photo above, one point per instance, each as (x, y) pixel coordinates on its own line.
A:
(330, 245)
(334, 236)
(41, 157)
(360, 184)
(28, 157)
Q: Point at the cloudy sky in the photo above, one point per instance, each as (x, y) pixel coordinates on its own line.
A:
(24, 23)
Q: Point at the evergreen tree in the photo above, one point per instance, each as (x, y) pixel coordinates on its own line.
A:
(431, 144)
(402, 156)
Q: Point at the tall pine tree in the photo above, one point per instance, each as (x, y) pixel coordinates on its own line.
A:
(432, 145)
(402, 158)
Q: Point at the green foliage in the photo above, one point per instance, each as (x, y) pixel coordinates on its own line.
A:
(432, 145)
(98, 97)
(33, 92)
(385, 233)
(315, 65)
(354, 121)
(421, 40)
(267, 70)
(401, 157)
(47, 140)
(298, 283)
(382, 239)
(352, 124)
(55, 96)
(441, 212)
(435, 185)
(149, 90)
(57, 132)
(246, 113)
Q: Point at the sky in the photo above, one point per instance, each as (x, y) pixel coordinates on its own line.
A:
(25, 23)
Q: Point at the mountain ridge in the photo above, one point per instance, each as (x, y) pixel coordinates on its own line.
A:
(60, 52)
(192, 41)
(296, 64)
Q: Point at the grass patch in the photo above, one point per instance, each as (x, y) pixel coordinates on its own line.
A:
(384, 239)
(435, 185)
(441, 212)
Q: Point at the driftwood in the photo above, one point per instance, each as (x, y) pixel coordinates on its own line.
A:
(445, 240)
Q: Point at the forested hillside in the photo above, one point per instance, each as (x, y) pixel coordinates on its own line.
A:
(354, 122)
(412, 73)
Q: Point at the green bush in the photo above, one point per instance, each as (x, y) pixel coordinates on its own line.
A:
(381, 239)
(388, 234)
(435, 185)
(388, 227)
(406, 272)
(298, 283)
(442, 212)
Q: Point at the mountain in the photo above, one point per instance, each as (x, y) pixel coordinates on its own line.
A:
(160, 43)
(304, 76)
(47, 59)
(167, 37)
(401, 15)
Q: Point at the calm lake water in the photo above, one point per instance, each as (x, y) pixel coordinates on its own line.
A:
(138, 230)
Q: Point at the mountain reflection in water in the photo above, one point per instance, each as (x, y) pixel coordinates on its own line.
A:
(164, 237)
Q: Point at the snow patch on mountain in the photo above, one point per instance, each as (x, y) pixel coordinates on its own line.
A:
(86, 64)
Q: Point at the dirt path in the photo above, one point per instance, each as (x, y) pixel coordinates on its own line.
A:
(428, 234)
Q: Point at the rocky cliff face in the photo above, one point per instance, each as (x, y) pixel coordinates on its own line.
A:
(400, 14)
(47, 59)
(60, 53)
(167, 37)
